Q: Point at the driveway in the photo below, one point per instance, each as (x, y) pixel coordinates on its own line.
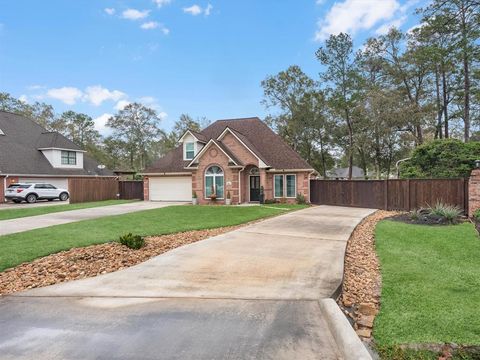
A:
(249, 294)
(64, 217)
(39, 203)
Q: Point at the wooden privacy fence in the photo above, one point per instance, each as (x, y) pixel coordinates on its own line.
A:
(395, 194)
(92, 189)
(131, 189)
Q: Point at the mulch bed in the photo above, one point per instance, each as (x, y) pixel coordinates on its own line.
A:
(423, 219)
(80, 263)
(360, 297)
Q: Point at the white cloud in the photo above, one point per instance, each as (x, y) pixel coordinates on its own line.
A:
(193, 10)
(23, 98)
(101, 123)
(350, 16)
(109, 11)
(382, 30)
(35, 87)
(121, 104)
(134, 14)
(97, 95)
(66, 94)
(208, 9)
(165, 30)
(162, 115)
(161, 3)
(150, 25)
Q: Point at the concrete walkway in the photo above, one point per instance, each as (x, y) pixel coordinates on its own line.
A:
(40, 221)
(249, 294)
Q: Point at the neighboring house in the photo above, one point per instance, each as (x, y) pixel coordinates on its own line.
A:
(28, 153)
(235, 156)
(342, 173)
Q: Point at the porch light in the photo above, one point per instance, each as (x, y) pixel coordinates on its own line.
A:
(477, 164)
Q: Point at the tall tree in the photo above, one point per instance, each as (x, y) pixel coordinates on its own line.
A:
(462, 19)
(80, 128)
(138, 127)
(342, 81)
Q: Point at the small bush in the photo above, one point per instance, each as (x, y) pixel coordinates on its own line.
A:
(301, 199)
(270, 201)
(476, 215)
(448, 212)
(414, 215)
(132, 241)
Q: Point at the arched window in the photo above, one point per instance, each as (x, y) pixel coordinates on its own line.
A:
(254, 171)
(214, 182)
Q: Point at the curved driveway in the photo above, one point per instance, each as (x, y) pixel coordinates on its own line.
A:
(249, 294)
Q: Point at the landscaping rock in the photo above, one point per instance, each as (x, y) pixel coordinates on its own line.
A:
(94, 260)
(362, 282)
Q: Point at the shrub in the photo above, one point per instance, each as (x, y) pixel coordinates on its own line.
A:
(270, 201)
(301, 199)
(448, 212)
(446, 158)
(414, 215)
(132, 241)
(476, 215)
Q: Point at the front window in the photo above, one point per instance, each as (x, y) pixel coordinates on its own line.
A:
(189, 150)
(69, 158)
(214, 182)
(278, 186)
(285, 185)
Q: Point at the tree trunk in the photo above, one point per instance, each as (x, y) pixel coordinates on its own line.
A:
(466, 77)
(438, 131)
(445, 101)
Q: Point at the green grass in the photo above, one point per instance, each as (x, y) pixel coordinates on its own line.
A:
(29, 245)
(24, 210)
(430, 284)
(287, 206)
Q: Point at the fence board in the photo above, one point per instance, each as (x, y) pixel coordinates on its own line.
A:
(398, 194)
(92, 189)
(131, 189)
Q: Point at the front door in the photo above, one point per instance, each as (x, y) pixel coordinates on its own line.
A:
(254, 188)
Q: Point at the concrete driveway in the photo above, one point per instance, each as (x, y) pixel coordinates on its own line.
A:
(249, 294)
(40, 221)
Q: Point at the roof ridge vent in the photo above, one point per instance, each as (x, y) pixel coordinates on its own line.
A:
(1, 132)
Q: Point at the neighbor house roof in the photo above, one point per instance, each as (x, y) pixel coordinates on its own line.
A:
(254, 133)
(343, 172)
(20, 154)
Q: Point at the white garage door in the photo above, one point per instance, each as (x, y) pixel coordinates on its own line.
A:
(60, 183)
(171, 188)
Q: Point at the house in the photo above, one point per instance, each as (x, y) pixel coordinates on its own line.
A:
(230, 157)
(342, 173)
(29, 153)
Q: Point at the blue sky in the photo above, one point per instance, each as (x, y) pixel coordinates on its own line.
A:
(204, 58)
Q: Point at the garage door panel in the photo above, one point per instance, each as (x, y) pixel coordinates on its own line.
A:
(170, 188)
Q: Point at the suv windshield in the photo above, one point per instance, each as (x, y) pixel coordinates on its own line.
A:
(21, 186)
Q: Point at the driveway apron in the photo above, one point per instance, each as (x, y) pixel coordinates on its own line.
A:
(249, 294)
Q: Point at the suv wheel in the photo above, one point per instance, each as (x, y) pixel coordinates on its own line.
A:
(31, 198)
(63, 197)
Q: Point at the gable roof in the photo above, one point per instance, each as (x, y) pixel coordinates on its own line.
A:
(20, 154)
(221, 146)
(254, 133)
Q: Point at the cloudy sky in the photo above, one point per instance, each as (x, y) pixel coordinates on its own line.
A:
(205, 58)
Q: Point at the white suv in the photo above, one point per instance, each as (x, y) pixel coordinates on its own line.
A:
(32, 192)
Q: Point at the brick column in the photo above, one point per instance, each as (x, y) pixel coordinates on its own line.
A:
(146, 188)
(474, 192)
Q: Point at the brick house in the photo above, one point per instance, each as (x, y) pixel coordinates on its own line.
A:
(29, 153)
(230, 157)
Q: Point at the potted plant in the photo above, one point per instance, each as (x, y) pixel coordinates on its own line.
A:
(194, 198)
(262, 195)
(228, 200)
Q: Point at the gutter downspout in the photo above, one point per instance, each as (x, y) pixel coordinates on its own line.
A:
(240, 186)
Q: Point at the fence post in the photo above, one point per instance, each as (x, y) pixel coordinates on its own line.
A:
(408, 194)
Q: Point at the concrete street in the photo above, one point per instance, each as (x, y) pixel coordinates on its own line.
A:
(249, 294)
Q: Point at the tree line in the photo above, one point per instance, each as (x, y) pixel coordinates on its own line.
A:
(136, 138)
(373, 106)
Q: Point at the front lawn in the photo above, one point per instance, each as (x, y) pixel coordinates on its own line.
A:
(430, 284)
(24, 210)
(26, 246)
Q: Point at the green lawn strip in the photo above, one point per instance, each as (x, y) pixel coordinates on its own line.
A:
(29, 245)
(430, 284)
(24, 211)
(286, 206)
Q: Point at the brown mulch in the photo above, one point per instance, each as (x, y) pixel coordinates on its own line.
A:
(80, 263)
(361, 287)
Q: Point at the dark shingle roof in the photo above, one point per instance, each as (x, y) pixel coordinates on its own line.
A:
(19, 152)
(256, 135)
(343, 172)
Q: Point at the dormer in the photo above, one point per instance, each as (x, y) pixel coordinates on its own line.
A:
(60, 152)
(192, 142)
